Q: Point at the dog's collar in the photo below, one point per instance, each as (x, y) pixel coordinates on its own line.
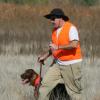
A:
(35, 80)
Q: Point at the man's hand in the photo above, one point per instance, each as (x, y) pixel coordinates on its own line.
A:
(44, 56)
(41, 58)
(53, 46)
(71, 45)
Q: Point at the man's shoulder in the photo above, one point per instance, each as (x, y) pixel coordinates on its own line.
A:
(73, 27)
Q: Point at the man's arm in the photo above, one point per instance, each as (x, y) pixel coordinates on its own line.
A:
(71, 45)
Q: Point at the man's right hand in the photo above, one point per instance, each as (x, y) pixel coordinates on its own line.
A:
(41, 58)
(44, 56)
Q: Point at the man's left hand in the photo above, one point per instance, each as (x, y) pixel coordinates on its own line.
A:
(53, 46)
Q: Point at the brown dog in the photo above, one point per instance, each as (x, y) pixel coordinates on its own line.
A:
(32, 78)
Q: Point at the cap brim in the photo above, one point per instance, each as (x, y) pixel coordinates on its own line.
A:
(49, 16)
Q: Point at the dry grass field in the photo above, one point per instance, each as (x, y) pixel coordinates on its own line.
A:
(10, 83)
(12, 66)
(24, 30)
(24, 33)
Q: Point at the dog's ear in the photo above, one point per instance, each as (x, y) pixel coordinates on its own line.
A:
(27, 74)
(31, 72)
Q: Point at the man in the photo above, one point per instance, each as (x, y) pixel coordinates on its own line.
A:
(66, 51)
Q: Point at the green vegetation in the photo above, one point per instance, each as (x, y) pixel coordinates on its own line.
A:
(90, 2)
(24, 1)
(85, 2)
(79, 2)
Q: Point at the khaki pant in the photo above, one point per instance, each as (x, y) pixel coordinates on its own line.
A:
(70, 75)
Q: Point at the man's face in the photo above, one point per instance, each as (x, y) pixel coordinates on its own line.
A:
(55, 22)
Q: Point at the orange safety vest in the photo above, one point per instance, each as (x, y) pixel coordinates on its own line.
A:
(63, 39)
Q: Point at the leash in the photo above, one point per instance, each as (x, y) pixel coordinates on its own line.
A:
(41, 63)
(36, 94)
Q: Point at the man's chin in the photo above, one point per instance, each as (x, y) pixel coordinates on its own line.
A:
(56, 26)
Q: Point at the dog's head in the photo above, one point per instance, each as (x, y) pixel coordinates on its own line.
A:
(29, 76)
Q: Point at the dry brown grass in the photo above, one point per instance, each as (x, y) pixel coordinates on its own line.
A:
(12, 66)
(23, 28)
